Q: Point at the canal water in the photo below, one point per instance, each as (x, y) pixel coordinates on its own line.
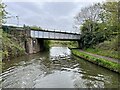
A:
(56, 68)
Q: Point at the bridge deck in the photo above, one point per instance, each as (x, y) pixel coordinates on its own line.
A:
(54, 35)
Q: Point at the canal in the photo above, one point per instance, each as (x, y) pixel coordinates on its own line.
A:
(56, 68)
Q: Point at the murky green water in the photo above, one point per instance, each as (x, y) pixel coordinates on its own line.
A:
(56, 68)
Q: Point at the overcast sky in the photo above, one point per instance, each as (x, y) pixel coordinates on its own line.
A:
(50, 15)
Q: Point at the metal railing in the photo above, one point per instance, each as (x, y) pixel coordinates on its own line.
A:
(53, 35)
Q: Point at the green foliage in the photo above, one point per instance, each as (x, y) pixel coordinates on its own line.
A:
(46, 44)
(100, 61)
(103, 52)
(35, 28)
(2, 12)
(104, 27)
(111, 44)
(108, 48)
(91, 34)
(11, 47)
(70, 44)
(111, 13)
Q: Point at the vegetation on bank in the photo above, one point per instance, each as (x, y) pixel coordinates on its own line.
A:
(71, 44)
(99, 24)
(14, 46)
(46, 44)
(11, 47)
(99, 61)
(103, 52)
(107, 48)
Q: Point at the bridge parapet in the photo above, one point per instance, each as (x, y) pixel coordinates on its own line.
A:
(54, 35)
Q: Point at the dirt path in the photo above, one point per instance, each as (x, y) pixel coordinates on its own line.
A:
(99, 56)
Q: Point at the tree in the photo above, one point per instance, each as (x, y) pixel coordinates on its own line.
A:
(90, 13)
(2, 13)
(99, 22)
(90, 38)
(112, 15)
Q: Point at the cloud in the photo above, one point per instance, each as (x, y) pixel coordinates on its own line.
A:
(51, 15)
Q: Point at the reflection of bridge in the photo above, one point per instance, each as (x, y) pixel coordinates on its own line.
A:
(35, 38)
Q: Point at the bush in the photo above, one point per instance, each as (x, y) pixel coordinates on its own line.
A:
(11, 47)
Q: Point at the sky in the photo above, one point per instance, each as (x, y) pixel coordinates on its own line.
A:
(48, 14)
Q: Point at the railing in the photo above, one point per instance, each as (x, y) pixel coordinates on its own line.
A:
(53, 35)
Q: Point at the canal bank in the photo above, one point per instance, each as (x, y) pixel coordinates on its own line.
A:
(99, 60)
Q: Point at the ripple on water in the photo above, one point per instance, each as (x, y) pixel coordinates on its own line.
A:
(56, 69)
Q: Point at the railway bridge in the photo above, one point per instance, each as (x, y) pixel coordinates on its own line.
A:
(35, 38)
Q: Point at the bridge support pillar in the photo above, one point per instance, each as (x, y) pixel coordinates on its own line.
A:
(33, 45)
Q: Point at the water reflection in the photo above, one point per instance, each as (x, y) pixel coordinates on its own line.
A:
(56, 69)
(59, 53)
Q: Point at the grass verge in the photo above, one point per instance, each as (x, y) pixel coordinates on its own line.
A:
(99, 61)
(107, 53)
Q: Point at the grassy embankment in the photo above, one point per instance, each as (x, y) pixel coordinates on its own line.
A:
(99, 61)
(102, 52)
(107, 48)
(11, 47)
